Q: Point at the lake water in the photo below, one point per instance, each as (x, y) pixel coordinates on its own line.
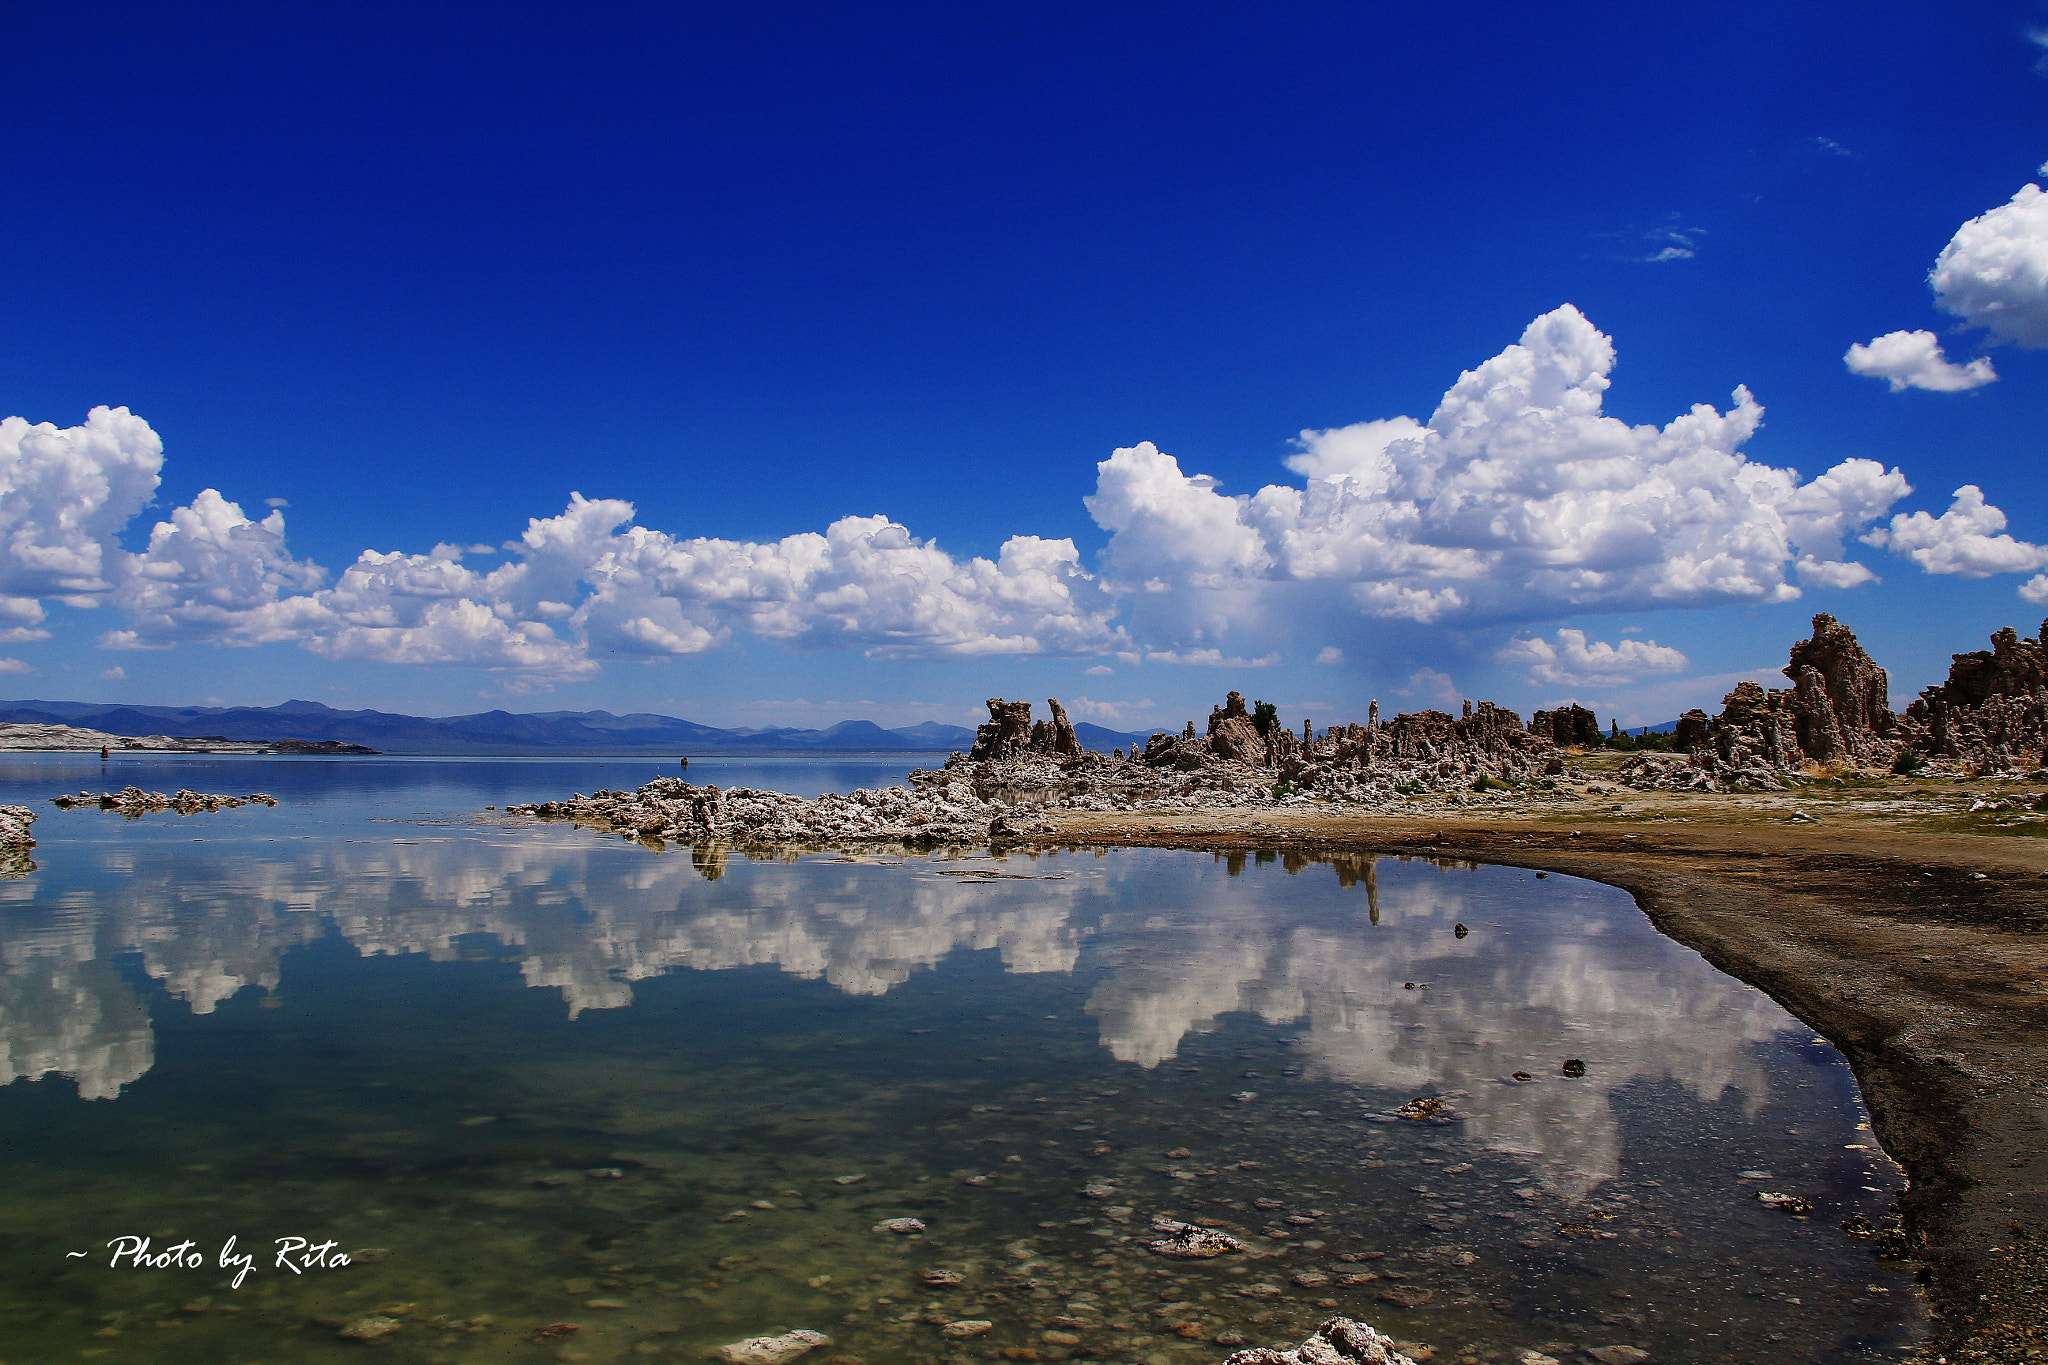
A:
(547, 1077)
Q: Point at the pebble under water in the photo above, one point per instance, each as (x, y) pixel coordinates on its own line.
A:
(548, 1080)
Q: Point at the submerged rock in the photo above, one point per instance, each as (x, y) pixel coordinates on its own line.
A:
(966, 1327)
(1186, 1242)
(1618, 1355)
(771, 1350)
(369, 1327)
(902, 1227)
(1339, 1341)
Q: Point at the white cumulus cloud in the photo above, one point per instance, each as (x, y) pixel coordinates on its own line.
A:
(1965, 540)
(1575, 662)
(1914, 360)
(1518, 497)
(1994, 271)
(64, 495)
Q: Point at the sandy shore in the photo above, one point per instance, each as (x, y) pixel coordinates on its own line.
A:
(1909, 931)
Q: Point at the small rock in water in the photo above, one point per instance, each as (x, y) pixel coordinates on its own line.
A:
(1618, 1355)
(1406, 1296)
(771, 1350)
(1574, 1068)
(943, 1279)
(1179, 1154)
(1059, 1338)
(1186, 1242)
(370, 1327)
(1245, 1096)
(1311, 1279)
(848, 1179)
(902, 1227)
(1098, 1191)
(1338, 1339)
(605, 1173)
(1790, 1203)
(1460, 930)
(966, 1327)
(1534, 1358)
(554, 1331)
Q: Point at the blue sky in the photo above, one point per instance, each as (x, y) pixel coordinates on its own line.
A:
(420, 276)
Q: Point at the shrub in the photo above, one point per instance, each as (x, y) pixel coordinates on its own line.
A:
(1905, 763)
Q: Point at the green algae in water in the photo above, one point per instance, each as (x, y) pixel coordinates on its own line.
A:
(549, 1080)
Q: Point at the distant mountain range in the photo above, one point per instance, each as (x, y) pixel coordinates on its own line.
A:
(506, 732)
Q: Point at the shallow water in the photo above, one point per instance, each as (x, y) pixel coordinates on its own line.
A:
(365, 1017)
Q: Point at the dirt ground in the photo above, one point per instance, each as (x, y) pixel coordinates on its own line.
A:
(1901, 924)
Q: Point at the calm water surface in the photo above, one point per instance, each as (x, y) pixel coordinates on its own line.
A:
(547, 1077)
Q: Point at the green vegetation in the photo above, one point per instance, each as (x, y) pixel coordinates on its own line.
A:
(1905, 763)
(1649, 741)
(1265, 717)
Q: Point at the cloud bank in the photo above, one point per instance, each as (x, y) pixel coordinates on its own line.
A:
(1517, 502)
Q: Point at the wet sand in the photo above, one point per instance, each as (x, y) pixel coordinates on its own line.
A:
(1916, 944)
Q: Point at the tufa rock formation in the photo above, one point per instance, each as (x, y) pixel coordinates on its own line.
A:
(1007, 734)
(1841, 707)
(1568, 727)
(1232, 734)
(1992, 713)
(1339, 1341)
(1010, 733)
(134, 802)
(1836, 712)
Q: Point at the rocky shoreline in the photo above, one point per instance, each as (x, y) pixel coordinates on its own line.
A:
(36, 738)
(1989, 719)
(134, 802)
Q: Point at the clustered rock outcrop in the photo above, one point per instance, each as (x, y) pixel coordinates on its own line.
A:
(134, 801)
(670, 809)
(1990, 716)
(1423, 751)
(1339, 1341)
(1018, 768)
(1568, 727)
(1992, 713)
